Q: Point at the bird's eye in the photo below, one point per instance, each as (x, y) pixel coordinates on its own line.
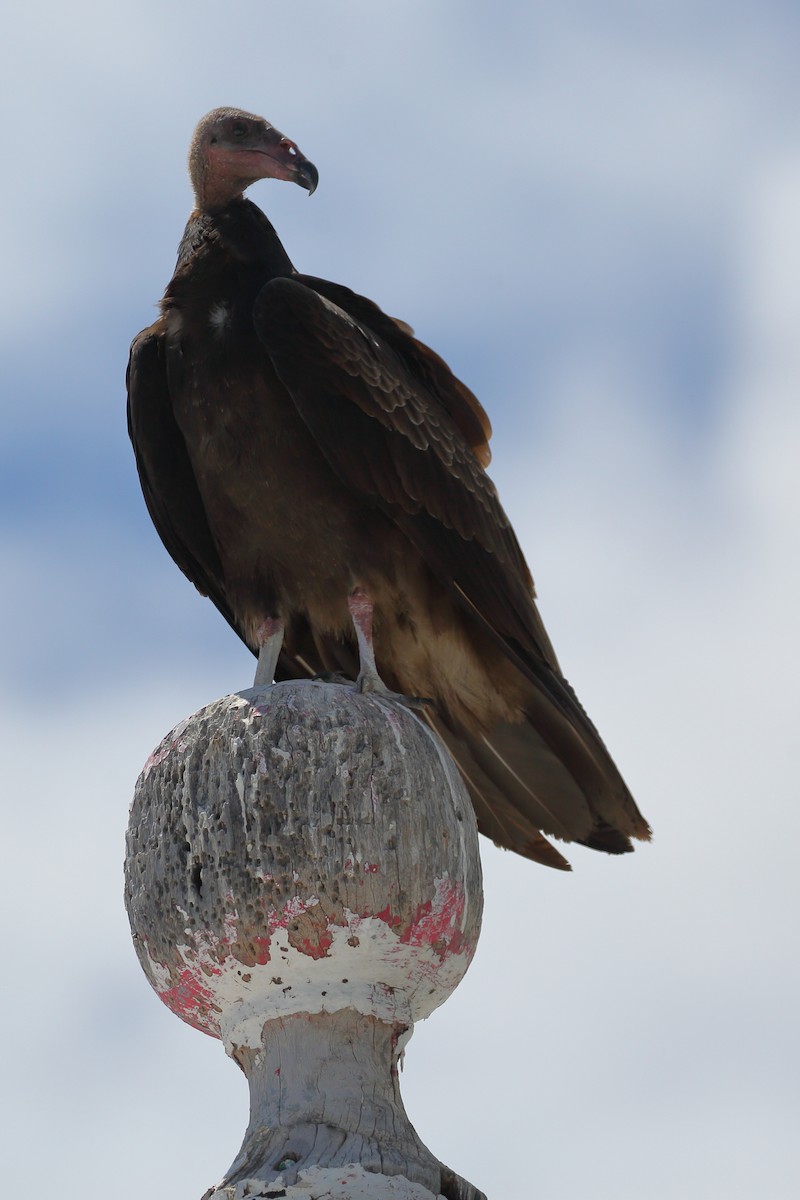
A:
(239, 129)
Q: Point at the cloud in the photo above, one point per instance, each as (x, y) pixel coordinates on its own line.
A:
(595, 222)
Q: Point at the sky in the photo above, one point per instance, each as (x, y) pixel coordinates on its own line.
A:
(593, 214)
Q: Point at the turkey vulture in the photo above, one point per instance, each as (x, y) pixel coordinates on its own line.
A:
(318, 472)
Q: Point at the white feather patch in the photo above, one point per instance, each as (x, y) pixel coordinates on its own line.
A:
(219, 317)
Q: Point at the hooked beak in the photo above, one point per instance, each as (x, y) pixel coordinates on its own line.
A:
(286, 161)
(307, 175)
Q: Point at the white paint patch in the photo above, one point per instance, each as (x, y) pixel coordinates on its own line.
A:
(366, 965)
(329, 1183)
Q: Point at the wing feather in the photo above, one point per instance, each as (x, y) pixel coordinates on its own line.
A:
(165, 471)
(388, 437)
(455, 397)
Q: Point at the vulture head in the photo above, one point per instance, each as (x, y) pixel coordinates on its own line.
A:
(232, 149)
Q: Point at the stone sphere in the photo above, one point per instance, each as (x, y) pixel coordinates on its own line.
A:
(302, 848)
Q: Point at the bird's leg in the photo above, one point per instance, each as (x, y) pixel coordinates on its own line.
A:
(369, 680)
(270, 639)
(360, 607)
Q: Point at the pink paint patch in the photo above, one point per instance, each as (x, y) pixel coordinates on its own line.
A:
(193, 1002)
(173, 741)
(386, 915)
(319, 948)
(291, 910)
(438, 922)
(263, 947)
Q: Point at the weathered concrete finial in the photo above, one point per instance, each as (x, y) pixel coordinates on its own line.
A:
(303, 882)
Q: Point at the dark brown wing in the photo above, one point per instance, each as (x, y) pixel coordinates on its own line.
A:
(385, 431)
(428, 368)
(383, 428)
(166, 474)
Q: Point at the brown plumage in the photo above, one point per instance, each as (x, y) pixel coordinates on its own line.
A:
(308, 462)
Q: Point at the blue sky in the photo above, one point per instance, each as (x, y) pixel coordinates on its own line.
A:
(593, 216)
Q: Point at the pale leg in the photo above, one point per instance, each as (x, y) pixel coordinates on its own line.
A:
(369, 680)
(360, 607)
(270, 640)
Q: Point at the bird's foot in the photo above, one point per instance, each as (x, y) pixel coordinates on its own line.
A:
(373, 685)
(369, 681)
(332, 677)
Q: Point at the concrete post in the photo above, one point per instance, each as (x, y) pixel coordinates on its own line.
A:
(303, 882)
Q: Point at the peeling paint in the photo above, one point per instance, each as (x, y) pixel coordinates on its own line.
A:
(327, 1183)
(367, 966)
(307, 852)
(224, 810)
(440, 922)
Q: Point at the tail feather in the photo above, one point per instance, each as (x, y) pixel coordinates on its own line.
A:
(524, 784)
(548, 774)
(562, 723)
(498, 818)
(605, 837)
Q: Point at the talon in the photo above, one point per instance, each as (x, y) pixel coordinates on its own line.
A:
(360, 606)
(332, 677)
